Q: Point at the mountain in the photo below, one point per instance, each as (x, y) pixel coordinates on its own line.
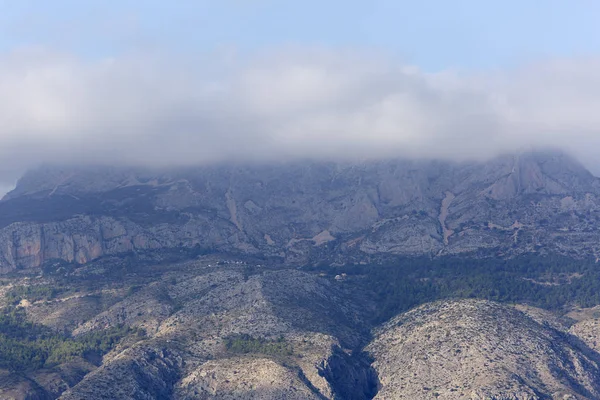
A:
(303, 280)
(305, 212)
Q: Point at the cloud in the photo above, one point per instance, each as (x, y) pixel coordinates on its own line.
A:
(159, 110)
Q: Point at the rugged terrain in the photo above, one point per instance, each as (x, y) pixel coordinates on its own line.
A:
(228, 329)
(305, 280)
(481, 350)
(297, 335)
(306, 212)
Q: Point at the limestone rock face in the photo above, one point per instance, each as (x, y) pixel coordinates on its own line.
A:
(481, 350)
(81, 239)
(533, 202)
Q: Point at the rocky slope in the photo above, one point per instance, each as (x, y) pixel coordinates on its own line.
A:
(222, 328)
(190, 312)
(305, 212)
(306, 337)
(475, 349)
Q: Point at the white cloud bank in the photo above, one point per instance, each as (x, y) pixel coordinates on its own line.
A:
(303, 103)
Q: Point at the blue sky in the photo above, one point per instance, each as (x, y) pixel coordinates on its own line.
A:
(432, 34)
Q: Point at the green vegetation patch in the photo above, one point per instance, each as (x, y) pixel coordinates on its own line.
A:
(32, 293)
(246, 344)
(25, 346)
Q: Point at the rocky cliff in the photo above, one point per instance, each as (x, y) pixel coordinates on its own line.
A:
(305, 212)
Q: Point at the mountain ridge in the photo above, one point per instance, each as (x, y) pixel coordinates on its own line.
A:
(303, 213)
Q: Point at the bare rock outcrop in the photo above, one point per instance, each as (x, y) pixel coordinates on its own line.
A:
(244, 379)
(480, 350)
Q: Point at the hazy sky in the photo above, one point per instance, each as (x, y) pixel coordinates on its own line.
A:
(157, 82)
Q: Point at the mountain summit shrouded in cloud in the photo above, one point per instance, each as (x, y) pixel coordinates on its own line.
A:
(177, 101)
(323, 104)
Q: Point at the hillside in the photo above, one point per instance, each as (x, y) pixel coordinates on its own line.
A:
(211, 329)
(481, 350)
(222, 328)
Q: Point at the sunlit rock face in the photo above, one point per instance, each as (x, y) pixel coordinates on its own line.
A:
(477, 349)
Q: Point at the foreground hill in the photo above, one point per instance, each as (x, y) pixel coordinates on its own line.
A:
(217, 328)
(303, 213)
(210, 330)
(481, 350)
